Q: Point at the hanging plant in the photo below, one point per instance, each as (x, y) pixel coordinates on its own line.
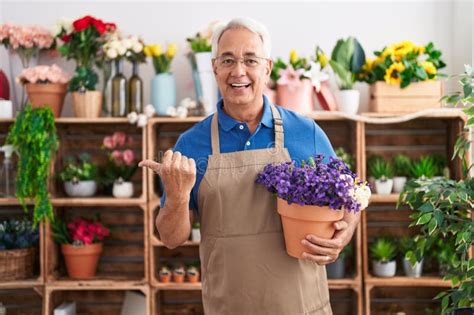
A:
(34, 137)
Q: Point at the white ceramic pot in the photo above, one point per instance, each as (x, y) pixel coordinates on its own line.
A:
(383, 187)
(385, 270)
(349, 101)
(209, 92)
(83, 188)
(122, 189)
(399, 183)
(6, 109)
(196, 235)
(412, 271)
(204, 61)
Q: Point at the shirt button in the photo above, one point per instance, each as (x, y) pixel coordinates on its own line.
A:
(248, 143)
(241, 127)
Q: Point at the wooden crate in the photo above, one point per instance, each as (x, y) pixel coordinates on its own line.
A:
(20, 301)
(125, 255)
(386, 98)
(78, 136)
(99, 300)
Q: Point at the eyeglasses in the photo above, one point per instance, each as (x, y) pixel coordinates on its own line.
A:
(230, 62)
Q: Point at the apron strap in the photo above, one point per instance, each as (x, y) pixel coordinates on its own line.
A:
(277, 124)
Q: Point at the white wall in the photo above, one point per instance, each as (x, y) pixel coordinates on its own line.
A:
(300, 25)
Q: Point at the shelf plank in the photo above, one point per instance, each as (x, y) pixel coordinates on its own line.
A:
(96, 283)
(400, 281)
(20, 284)
(376, 198)
(97, 201)
(179, 286)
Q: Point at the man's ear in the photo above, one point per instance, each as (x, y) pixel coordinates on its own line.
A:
(213, 61)
(269, 67)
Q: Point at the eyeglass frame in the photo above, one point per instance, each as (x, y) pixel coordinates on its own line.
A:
(240, 60)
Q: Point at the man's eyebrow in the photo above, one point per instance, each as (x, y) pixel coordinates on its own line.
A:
(228, 53)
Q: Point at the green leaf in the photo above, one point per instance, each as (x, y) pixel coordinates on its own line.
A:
(432, 226)
(425, 218)
(344, 75)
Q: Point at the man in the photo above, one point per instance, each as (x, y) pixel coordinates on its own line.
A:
(245, 268)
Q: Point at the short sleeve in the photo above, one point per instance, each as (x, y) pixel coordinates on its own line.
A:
(322, 144)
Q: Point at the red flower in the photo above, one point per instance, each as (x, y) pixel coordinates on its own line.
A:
(83, 23)
(66, 38)
(99, 26)
(110, 27)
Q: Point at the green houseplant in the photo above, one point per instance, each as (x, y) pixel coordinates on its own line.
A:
(443, 208)
(382, 171)
(424, 167)
(79, 176)
(401, 167)
(407, 247)
(383, 251)
(34, 137)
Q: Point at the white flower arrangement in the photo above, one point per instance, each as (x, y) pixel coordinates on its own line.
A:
(182, 109)
(141, 119)
(118, 47)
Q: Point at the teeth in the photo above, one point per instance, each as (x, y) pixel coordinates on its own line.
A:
(240, 84)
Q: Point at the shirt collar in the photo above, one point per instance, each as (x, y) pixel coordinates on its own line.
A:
(227, 123)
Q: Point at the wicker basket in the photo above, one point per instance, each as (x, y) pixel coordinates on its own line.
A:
(17, 264)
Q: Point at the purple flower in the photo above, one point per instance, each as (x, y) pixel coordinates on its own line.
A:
(314, 182)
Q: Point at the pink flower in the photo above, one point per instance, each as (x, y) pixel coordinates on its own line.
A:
(119, 138)
(117, 157)
(109, 142)
(128, 157)
(43, 74)
(290, 77)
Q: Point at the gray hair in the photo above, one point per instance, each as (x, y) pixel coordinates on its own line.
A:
(243, 22)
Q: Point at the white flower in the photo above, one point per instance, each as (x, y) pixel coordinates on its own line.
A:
(137, 47)
(127, 43)
(362, 195)
(316, 75)
(182, 112)
(111, 53)
(171, 111)
(121, 50)
(149, 110)
(132, 117)
(142, 120)
(185, 102)
(62, 23)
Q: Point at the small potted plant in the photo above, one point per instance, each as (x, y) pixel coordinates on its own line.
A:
(79, 176)
(401, 167)
(196, 232)
(164, 274)
(45, 86)
(81, 245)
(336, 190)
(384, 251)
(382, 171)
(192, 273)
(18, 239)
(121, 164)
(178, 274)
(423, 168)
(337, 269)
(412, 265)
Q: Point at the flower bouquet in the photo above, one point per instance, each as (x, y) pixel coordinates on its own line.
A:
(45, 86)
(312, 196)
(81, 245)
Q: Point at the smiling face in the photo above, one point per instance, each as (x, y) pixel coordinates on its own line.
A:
(240, 85)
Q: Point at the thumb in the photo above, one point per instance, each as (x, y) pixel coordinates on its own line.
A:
(340, 225)
(153, 165)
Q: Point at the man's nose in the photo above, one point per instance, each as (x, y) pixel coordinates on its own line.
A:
(239, 68)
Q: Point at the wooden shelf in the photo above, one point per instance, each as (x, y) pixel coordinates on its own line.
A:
(96, 283)
(179, 286)
(20, 284)
(98, 201)
(376, 198)
(400, 281)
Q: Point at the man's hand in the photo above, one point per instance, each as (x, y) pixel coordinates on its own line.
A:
(177, 172)
(325, 251)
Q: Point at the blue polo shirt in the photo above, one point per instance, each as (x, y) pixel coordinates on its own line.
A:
(303, 138)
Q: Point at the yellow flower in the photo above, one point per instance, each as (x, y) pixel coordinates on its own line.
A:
(388, 51)
(171, 52)
(323, 60)
(429, 67)
(420, 50)
(156, 50)
(147, 51)
(293, 56)
(369, 64)
(392, 76)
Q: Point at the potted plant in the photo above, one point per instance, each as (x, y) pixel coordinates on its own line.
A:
(401, 167)
(347, 59)
(34, 137)
(164, 274)
(383, 251)
(196, 232)
(178, 274)
(382, 171)
(403, 76)
(82, 41)
(201, 63)
(294, 90)
(18, 241)
(163, 85)
(81, 245)
(79, 176)
(337, 269)
(335, 190)
(423, 168)
(412, 265)
(192, 273)
(443, 210)
(45, 86)
(120, 165)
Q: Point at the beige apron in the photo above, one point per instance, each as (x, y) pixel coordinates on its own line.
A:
(245, 268)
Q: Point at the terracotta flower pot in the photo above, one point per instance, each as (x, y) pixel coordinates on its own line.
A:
(299, 99)
(165, 278)
(299, 221)
(87, 104)
(81, 262)
(193, 278)
(51, 95)
(178, 278)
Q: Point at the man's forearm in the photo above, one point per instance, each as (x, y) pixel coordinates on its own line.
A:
(173, 222)
(352, 220)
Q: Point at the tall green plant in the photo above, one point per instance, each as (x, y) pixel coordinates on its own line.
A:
(347, 59)
(443, 209)
(34, 136)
